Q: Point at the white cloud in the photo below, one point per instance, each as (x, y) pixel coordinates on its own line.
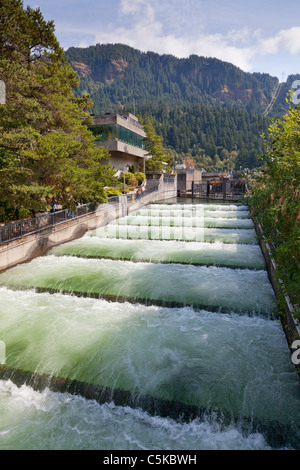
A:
(147, 34)
(286, 39)
(241, 36)
(129, 6)
(141, 27)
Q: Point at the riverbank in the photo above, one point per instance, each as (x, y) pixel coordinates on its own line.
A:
(288, 319)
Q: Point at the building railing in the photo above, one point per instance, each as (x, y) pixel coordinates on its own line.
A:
(20, 228)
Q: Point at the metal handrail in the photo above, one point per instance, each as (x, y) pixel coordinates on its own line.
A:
(19, 228)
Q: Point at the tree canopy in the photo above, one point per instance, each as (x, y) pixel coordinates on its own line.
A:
(275, 198)
(117, 75)
(153, 144)
(216, 138)
(45, 147)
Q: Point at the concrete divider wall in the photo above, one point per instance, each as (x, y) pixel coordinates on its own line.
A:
(36, 244)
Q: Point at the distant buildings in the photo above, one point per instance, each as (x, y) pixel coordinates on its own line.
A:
(122, 135)
(186, 177)
(203, 184)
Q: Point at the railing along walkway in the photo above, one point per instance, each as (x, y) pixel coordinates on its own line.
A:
(20, 228)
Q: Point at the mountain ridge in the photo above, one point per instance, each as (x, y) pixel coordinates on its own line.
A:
(203, 108)
(120, 73)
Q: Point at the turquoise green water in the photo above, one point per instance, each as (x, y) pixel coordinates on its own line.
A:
(47, 420)
(184, 233)
(219, 346)
(217, 254)
(184, 221)
(172, 353)
(223, 210)
(200, 286)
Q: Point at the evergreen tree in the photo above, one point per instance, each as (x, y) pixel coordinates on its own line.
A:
(158, 155)
(45, 147)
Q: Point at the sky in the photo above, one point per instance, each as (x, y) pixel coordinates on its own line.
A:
(255, 35)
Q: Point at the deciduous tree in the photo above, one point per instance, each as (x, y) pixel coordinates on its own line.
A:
(275, 198)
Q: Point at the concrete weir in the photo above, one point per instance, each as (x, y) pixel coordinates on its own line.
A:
(175, 334)
(276, 434)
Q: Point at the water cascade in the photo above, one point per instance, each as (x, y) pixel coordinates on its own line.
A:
(157, 331)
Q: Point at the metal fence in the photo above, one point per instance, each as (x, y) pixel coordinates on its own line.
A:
(18, 229)
(23, 227)
(230, 189)
(169, 179)
(144, 193)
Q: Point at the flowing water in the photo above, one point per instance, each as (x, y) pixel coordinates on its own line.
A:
(163, 314)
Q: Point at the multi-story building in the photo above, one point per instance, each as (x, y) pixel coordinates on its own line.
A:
(122, 135)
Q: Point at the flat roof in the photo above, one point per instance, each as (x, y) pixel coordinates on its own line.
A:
(126, 120)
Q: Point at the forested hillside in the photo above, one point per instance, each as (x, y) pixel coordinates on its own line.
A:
(281, 106)
(202, 107)
(118, 75)
(217, 138)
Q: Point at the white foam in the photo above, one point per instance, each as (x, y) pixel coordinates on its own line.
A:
(56, 421)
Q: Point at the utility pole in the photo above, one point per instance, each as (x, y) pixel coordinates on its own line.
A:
(125, 169)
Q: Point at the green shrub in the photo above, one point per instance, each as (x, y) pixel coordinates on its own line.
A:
(132, 182)
(113, 192)
(24, 213)
(140, 177)
(274, 199)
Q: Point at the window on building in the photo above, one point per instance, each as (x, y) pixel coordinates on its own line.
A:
(116, 132)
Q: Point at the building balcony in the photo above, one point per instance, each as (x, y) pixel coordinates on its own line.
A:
(122, 147)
